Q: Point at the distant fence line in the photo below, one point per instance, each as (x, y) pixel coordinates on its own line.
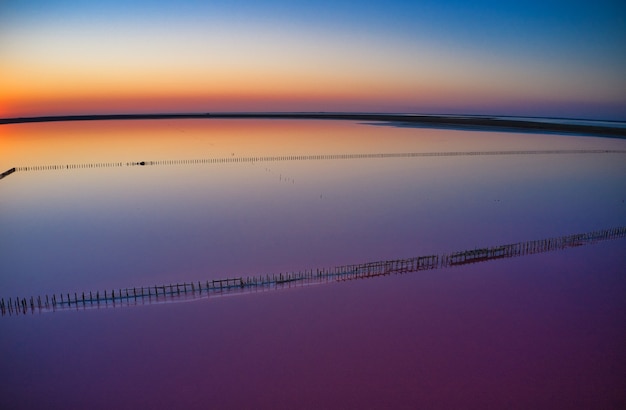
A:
(316, 157)
(202, 289)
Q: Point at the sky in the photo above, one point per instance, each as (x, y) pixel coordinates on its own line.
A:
(529, 58)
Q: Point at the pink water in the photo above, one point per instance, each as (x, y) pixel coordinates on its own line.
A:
(542, 331)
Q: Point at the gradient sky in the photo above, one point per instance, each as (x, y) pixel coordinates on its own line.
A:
(544, 58)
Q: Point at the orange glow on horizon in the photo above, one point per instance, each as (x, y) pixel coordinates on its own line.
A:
(359, 98)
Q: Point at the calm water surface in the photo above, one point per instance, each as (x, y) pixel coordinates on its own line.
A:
(538, 331)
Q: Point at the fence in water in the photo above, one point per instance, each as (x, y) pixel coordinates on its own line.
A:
(194, 290)
(315, 157)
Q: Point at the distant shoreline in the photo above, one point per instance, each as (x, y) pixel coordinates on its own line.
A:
(469, 122)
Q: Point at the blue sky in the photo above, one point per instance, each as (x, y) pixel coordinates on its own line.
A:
(516, 57)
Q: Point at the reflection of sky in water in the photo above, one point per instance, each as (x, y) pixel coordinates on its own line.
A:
(111, 227)
(101, 141)
(132, 226)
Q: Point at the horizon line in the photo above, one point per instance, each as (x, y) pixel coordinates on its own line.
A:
(407, 119)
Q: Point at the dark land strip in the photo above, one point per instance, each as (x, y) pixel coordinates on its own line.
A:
(7, 173)
(487, 123)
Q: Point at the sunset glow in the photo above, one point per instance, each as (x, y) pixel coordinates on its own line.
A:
(550, 59)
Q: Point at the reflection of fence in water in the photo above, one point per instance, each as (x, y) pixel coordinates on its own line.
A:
(195, 290)
(316, 157)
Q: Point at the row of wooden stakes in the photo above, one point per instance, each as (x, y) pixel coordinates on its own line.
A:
(178, 291)
(312, 157)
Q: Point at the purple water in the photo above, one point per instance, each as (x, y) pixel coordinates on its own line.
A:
(539, 331)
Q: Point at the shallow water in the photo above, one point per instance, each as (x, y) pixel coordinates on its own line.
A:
(536, 331)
